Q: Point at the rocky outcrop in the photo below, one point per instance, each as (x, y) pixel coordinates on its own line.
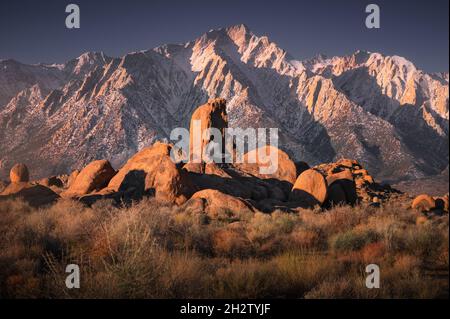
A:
(266, 172)
(265, 158)
(72, 177)
(51, 181)
(218, 203)
(356, 182)
(30, 192)
(424, 203)
(152, 170)
(267, 180)
(212, 115)
(14, 188)
(95, 176)
(34, 195)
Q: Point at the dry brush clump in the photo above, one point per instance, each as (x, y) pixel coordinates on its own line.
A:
(150, 249)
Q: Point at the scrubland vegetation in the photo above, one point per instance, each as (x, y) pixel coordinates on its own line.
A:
(151, 250)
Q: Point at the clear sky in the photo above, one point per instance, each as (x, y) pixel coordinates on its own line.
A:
(34, 31)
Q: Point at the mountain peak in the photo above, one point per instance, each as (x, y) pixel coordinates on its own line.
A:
(241, 28)
(91, 56)
(86, 61)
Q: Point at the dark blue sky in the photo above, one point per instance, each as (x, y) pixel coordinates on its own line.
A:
(34, 31)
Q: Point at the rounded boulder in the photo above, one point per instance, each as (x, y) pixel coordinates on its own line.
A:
(19, 173)
(310, 184)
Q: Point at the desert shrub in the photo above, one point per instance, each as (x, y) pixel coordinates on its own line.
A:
(334, 289)
(424, 241)
(232, 242)
(300, 271)
(246, 279)
(264, 226)
(354, 240)
(147, 249)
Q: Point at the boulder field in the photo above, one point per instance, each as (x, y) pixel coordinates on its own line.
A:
(214, 187)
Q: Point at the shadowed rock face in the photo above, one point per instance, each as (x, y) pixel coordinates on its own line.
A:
(346, 182)
(34, 195)
(51, 181)
(336, 194)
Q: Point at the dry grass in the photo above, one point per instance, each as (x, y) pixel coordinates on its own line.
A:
(149, 250)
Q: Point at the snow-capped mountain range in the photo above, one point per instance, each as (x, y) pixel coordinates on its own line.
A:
(380, 110)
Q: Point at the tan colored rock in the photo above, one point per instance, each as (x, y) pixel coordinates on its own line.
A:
(311, 184)
(19, 173)
(284, 167)
(368, 179)
(214, 169)
(217, 203)
(193, 206)
(14, 188)
(210, 115)
(72, 177)
(424, 203)
(330, 169)
(191, 167)
(361, 172)
(93, 177)
(360, 183)
(343, 175)
(153, 169)
(349, 163)
(171, 184)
